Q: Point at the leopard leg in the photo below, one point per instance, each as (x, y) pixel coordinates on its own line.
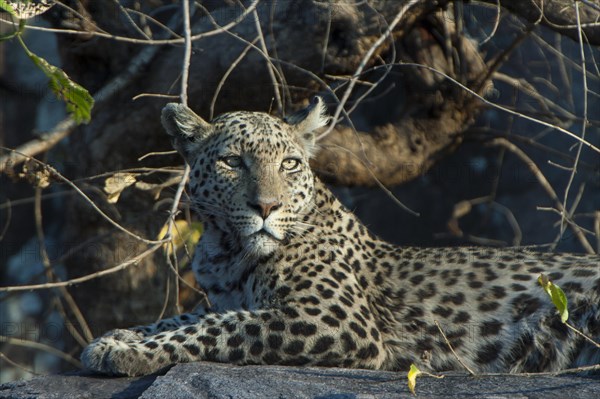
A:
(171, 323)
(277, 336)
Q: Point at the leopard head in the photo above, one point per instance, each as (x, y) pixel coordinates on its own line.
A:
(250, 176)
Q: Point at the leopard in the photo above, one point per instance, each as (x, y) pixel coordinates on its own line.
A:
(294, 278)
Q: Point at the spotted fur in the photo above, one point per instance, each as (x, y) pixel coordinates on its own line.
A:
(294, 278)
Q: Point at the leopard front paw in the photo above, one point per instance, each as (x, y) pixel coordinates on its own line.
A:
(117, 357)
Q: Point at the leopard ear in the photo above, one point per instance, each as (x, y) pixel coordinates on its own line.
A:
(186, 128)
(306, 121)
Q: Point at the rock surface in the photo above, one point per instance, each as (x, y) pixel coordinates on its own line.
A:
(210, 380)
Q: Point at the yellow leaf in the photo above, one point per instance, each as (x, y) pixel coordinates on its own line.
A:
(557, 295)
(412, 378)
(114, 185)
(193, 237)
(181, 233)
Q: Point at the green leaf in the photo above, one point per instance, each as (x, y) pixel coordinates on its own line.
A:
(7, 7)
(412, 378)
(557, 295)
(78, 101)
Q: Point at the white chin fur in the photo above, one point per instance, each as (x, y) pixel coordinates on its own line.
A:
(261, 244)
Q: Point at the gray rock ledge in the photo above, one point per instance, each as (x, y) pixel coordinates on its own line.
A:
(214, 380)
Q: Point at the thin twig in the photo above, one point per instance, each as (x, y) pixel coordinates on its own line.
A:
(597, 230)
(56, 174)
(265, 55)
(84, 18)
(575, 330)
(326, 40)
(187, 55)
(373, 86)
(496, 24)
(590, 4)
(512, 221)
(229, 70)
(524, 86)
(17, 365)
(556, 211)
(585, 118)
(270, 66)
(156, 153)
(561, 55)
(291, 65)
(546, 186)
(363, 64)
(130, 20)
(8, 218)
(181, 186)
(500, 107)
(42, 143)
(386, 190)
(48, 140)
(152, 42)
(85, 278)
(154, 95)
(544, 373)
(183, 95)
(499, 59)
(153, 20)
(175, 268)
(285, 87)
(42, 347)
(570, 215)
(452, 349)
(163, 310)
(51, 276)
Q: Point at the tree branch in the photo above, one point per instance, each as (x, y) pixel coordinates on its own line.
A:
(64, 128)
(558, 15)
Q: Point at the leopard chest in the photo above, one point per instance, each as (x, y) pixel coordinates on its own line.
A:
(233, 284)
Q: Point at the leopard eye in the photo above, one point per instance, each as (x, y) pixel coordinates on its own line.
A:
(290, 164)
(233, 161)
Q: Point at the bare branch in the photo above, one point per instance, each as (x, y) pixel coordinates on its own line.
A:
(48, 140)
(363, 64)
(17, 365)
(547, 187)
(187, 55)
(558, 15)
(585, 118)
(508, 110)
(51, 276)
(38, 145)
(270, 67)
(152, 42)
(226, 75)
(42, 347)
(82, 279)
(452, 349)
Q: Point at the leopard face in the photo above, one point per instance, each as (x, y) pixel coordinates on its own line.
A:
(250, 174)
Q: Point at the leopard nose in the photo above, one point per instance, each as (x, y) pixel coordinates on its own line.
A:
(264, 209)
